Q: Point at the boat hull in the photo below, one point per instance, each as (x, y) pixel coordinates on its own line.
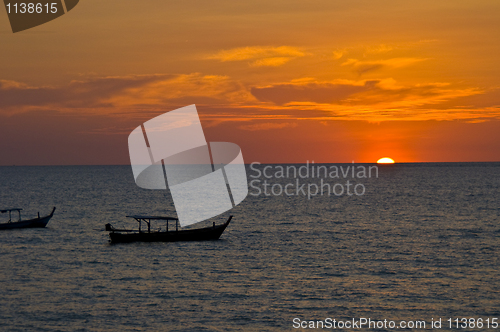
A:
(200, 234)
(32, 223)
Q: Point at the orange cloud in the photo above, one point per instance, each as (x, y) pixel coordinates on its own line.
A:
(259, 56)
(114, 94)
(370, 92)
(362, 67)
(337, 54)
(271, 62)
(320, 92)
(90, 93)
(268, 126)
(225, 99)
(185, 90)
(381, 100)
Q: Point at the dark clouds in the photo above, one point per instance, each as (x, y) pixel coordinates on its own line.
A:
(328, 93)
(89, 93)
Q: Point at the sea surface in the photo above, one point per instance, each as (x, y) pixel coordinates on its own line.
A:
(421, 243)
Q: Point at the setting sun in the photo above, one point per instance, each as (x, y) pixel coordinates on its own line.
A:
(385, 160)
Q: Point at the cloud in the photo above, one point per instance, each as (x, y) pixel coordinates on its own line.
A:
(223, 99)
(268, 126)
(185, 89)
(259, 56)
(362, 67)
(118, 93)
(378, 100)
(271, 62)
(385, 93)
(486, 98)
(388, 93)
(326, 92)
(89, 93)
(377, 49)
(337, 54)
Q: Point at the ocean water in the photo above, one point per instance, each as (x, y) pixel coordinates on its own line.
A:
(421, 243)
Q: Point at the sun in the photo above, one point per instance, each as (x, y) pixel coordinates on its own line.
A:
(385, 160)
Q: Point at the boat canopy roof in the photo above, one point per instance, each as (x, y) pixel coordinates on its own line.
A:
(8, 210)
(152, 217)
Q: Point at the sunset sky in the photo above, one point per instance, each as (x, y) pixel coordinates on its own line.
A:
(288, 81)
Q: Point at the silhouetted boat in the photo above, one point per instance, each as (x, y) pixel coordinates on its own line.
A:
(199, 234)
(39, 222)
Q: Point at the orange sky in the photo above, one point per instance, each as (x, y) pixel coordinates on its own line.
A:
(289, 81)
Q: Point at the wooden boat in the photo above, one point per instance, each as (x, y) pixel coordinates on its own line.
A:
(199, 234)
(39, 222)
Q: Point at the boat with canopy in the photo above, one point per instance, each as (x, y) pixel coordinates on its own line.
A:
(166, 234)
(38, 222)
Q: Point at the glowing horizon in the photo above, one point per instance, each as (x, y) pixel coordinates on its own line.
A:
(385, 160)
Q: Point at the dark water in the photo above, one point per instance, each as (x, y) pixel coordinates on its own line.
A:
(423, 242)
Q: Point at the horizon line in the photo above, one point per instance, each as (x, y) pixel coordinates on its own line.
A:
(287, 163)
